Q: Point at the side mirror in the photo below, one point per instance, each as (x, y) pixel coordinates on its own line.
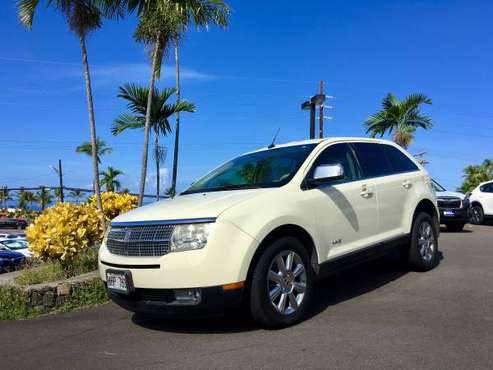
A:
(324, 174)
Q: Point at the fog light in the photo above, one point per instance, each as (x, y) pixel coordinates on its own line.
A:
(188, 296)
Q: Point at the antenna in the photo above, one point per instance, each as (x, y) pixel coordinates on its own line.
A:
(272, 145)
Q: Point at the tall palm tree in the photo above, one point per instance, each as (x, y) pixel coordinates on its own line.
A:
(211, 12)
(25, 198)
(77, 195)
(160, 22)
(4, 196)
(101, 149)
(83, 17)
(44, 197)
(399, 118)
(137, 96)
(109, 179)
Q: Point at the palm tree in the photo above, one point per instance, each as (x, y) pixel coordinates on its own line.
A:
(4, 196)
(108, 179)
(101, 149)
(160, 22)
(25, 198)
(77, 195)
(83, 17)
(476, 174)
(160, 112)
(399, 118)
(58, 194)
(44, 197)
(214, 12)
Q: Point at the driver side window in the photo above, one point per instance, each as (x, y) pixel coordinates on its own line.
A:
(342, 154)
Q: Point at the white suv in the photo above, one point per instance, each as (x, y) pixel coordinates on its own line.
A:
(261, 228)
(481, 200)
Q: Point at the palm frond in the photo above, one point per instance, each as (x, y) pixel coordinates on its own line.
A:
(126, 121)
(25, 12)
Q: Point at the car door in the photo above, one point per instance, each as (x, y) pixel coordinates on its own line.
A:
(345, 210)
(486, 198)
(380, 163)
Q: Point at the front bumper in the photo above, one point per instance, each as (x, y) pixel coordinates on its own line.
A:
(214, 301)
(454, 215)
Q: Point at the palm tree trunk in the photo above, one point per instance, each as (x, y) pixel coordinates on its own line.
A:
(143, 172)
(156, 153)
(177, 131)
(92, 124)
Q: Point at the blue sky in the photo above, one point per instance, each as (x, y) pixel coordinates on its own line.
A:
(248, 81)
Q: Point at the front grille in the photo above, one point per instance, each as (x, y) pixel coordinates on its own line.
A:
(140, 241)
(449, 202)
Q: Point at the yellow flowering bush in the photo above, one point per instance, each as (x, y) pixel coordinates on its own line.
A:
(63, 231)
(115, 203)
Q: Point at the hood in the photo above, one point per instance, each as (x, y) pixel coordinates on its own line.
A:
(190, 206)
(446, 194)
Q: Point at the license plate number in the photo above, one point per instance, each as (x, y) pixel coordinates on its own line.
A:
(448, 213)
(117, 281)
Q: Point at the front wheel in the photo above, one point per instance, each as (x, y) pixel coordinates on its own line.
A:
(282, 284)
(423, 251)
(477, 215)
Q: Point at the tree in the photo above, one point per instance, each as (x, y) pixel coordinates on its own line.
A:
(109, 179)
(44, 197)
(399, 118)
(101, 149)
(475, 175)
(214, 12)
(160, 22)
(25, 198)
(83, 17)
(4, 196)
(77, 195)
(58, 194)
(137, 96)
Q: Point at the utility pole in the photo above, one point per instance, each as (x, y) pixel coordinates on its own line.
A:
(60, 175)
(310, 105)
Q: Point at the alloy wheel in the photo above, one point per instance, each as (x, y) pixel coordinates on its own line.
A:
(286, 282)
(476, 215)
(426, 241)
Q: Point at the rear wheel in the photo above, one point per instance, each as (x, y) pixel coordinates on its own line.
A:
(282, 284)
(455, 226)
(477, 215)
(423, 251)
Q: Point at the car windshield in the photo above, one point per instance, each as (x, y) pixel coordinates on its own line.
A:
(437, 186)
(264, 169)
(15, 245)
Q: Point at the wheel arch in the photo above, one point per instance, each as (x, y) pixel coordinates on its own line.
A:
(427, 206)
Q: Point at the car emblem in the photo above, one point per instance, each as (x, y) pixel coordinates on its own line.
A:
(128, 233)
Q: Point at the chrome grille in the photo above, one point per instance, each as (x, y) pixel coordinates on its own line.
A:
(140, 241)
(449, 202)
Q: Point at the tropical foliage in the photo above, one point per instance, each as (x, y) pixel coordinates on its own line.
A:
(476, 174)
(101, 149)
(115, 203)
(4, 196)
(161, 111)
(399, 118)
(44, 197)
(109, 179)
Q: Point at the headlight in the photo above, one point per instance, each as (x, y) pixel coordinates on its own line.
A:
(190, 236)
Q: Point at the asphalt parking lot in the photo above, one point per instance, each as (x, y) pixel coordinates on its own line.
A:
(373, 316)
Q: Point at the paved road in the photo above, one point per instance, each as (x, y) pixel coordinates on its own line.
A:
(373, 316)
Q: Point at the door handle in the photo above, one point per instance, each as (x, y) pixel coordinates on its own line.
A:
(407, 184)
(365, 191)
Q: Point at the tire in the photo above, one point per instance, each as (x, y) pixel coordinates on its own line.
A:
(455, 227)
(477, 215)
(423, 250)
(268, 278)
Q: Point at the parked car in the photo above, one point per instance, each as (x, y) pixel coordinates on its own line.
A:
(4, 236)
(482, 202)
(16, 223)
(262, 227)
(9, 260)
(20, 246)
(454, 207)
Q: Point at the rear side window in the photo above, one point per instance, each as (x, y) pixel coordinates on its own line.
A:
(372, 159)
(398, 160)
(488, 188)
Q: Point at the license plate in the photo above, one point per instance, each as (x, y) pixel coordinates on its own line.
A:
(119, 281)
(448, 213)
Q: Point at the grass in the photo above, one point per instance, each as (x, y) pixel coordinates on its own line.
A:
(13, 304)
(53, 271)
(90, 294)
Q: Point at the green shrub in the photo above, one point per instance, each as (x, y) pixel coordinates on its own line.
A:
(90, 294)
(13, 304)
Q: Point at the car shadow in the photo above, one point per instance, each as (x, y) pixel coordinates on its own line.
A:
(331, 291)
(443, 229)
